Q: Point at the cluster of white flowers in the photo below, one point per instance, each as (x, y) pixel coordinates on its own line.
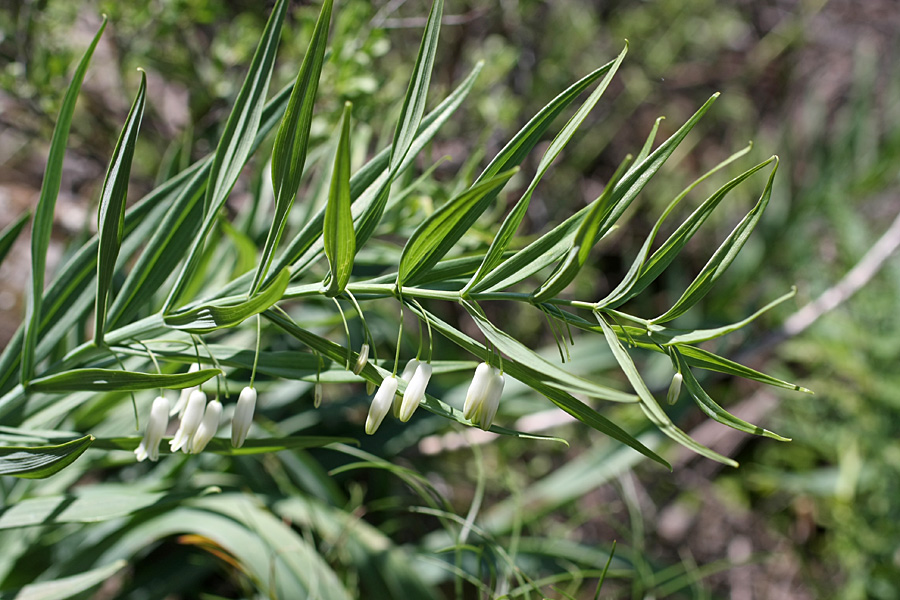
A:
(482, 399)
(199, 421)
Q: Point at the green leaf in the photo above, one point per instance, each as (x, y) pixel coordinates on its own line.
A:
(111, 219)
(110, 380)
(530, 377)
(43, 216)
(649, 404)
(225, 313)
(38, 462)
(440, 231)
(223, 445)
(10, 233)
(65, 587)
(723, 257)
(637, 278)
(558, 242)
(539, 367)
(367, 183)
(235, 144)
(402, 148)
(711, 408)
(511, 224)
(340, 241)
(591, 230)
(292, 139)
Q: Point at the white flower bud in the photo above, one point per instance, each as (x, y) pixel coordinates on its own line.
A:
(156, 428)
(488, 409)
(193, 414)
(415, 391)
(361, 360)
(181, 403)
(243, 416)
(477, 390)
(381, 404)
(674, 389)
(208, 427)
(408, 371)
(317, 395)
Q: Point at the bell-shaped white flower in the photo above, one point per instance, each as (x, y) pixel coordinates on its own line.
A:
(243, 416)
(317, 395)
(477, 390)
(181, 403)
(156, 428)
(193, 414)
(381, 404)
(207, 429)
(675, 388)
(361, 360)
(408, 371)
(415, 391)
(488, 409)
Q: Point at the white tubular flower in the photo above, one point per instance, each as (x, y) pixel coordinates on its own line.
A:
(488, 409)
(381, 404)
(207, 429)
(415, 391)
(193, 414)
(477, 390)
(156, 428)
(674, 389)
(317, 395)
(408, 371)
(243, 416)
(361, 360)
(181, 403)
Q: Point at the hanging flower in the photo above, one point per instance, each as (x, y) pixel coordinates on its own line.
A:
(488, 409)
(181, 403)
(193, 414)
(361, 360)
(381, 404)
(477, 390)
(208, 427)
(415, 391)
(674, 388)
(408, 371)
(317, 395)
(243, 416)
(156, 428)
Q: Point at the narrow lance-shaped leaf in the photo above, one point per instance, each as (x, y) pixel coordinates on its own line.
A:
(555, 243)
(292, 139)
(723, 257)
(222, 314)
(235, 144)
(9, 235)
(43, 216)
(649, 404)
(111, 380)
(340, 242)
(634, 282)
(511, 224)
(38, 462)
(111, 218)
(591, 229)
(440, 231)
(223, 446)
(711, 408)
(410, 119)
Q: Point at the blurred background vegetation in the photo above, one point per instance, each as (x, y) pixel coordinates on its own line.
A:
(815, 81)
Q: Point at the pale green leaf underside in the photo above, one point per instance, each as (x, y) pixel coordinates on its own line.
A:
(38, 462)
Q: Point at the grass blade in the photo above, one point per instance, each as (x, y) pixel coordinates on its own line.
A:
(43, 217)
(112, 207)
(292, 139)
(223, 446)
(38, 462)
(340, 242)
(65, 587)
(9, 235)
